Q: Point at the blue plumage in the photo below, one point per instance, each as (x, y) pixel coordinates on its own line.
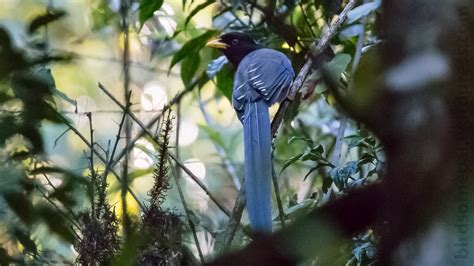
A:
(263, 77)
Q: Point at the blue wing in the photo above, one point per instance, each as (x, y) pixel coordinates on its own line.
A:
(264, 74)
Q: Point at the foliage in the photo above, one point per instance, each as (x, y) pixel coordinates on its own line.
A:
(100, 241)
(161, 229)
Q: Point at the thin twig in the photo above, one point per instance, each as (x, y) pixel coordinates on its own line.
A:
(339, 141)
(234, 219)
(133, 64)
(199, 182)
(69, 210)
(306, 19)
(57, 208)
(146, 131)
(124, 13)
(177, 177)
(111, 161)
(144, 128)
(101, 158)
(91, 162)
(277, 194)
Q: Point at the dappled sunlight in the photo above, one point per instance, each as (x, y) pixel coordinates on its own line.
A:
(142, 154)
(153, 97)
(188, 133)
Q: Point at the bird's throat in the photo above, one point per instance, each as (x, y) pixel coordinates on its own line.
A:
(236, 56)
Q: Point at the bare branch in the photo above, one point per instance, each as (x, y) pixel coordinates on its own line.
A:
(145, 131)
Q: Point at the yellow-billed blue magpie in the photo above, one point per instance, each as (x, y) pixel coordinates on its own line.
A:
(263, 77)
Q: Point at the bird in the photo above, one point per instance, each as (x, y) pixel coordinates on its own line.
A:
(262, 78)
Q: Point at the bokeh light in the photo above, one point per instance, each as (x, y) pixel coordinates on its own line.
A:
(141, 154)
(153, 97)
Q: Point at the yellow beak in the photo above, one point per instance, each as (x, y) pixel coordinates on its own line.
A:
(217, 43)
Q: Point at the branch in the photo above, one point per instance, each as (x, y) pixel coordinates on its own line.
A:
(144, 128)
(175, 172)
(146, 131)
(124, 13)
(318, 50)
(101, 158)
(234, 219)
(111, 161)
(177, 176)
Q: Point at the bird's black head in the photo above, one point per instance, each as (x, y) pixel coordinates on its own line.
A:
(234, 45)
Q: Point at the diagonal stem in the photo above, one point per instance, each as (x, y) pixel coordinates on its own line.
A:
(146, 131)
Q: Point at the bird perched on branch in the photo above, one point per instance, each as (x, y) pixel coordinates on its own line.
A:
(263, 77)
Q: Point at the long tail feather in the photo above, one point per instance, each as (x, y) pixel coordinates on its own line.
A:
(258, 165)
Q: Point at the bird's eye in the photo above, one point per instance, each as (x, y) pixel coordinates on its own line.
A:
(235, 42)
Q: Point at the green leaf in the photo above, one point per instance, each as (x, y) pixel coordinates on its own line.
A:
(354, 141)
(5, 97)
(128, 252)
(200, 82)
(214, 135)
(21, 155)
(362, 11)
(45, 19)
(351, 31)
(5, 259)
(337, 65)
(32, 86)
(320, 88)
(312, 79)
(301, 209)
(197, 9)
(56, 222)
(225, 82)
(319, 149)
(314, 154)
(366, 158)
(191, 47)
(294, 138)
(102, 16)
(9, 127)
(189, 67)
(319, 165)
(327, 182)
(147, 9)
(309, 172)
(20, 205)
(372, 172)
(290, 161)
(140, 173)
(57, 170)
(330, 8)
(63, 96)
